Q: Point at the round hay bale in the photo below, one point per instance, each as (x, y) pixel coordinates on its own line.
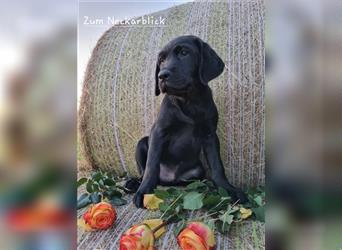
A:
(118, 105)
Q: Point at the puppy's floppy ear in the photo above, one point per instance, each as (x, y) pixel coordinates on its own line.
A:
(210, 65)
(157, 90)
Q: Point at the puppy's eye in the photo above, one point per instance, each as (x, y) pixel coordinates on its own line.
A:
(161, 59)
(183, 52)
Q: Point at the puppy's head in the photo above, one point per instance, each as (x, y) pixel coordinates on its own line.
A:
(185, 62)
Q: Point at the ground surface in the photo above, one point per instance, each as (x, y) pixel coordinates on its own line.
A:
(246, 235)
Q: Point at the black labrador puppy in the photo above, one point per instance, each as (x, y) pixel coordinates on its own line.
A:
(186, 123)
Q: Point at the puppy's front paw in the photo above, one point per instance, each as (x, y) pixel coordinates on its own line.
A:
(138, 199)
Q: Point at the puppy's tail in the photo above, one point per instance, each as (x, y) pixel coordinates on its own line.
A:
(132, 184)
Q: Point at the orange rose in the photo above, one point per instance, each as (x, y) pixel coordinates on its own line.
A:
(100, 216)
(196, 236)
(138, 237)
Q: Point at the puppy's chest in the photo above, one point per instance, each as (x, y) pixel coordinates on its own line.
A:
(201, 123)
(183, 141)
(198, 129)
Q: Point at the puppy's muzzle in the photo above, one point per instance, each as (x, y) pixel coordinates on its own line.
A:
(162, 86)
(164, 75)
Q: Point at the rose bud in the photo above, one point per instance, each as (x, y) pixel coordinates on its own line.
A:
(138, 237)
(196, 236)
(100, 216)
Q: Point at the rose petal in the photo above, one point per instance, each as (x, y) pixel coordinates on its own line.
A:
(153, 223)
(187, 240)
(100, 216)
(141, 236)
(204, 232)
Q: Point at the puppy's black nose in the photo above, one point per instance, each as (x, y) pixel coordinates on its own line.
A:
(164, 74)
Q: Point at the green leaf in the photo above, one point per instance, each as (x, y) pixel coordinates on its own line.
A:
(226, 218)
(178, 209)
(210, 184)
(258, 201)
(162, 194)
(168, 210)
(83, 201)
(116, 201)
(109, 182)
(211, 224)
(221, 205)
(222, 227)
(193, 201)
(163, 206)
(83, 196)
(89, 186)
(174, 191)
(96, 176)
(101, 183)
(223, 192)
(114, 193)
(81, 181)
(111, 174)
(197, 186)
(96, 187)
(211, 200)
(95, 197)
(259, 213)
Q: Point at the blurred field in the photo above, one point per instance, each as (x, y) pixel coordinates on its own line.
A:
(304, 125)
(37, 125)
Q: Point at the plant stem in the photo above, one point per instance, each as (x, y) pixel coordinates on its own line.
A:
(216, 205)
(204, 216)
(236, 202)
(207, 215)
(166, 222)
(171, 205)
(160, 226)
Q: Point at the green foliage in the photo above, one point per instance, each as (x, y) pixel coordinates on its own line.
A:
(99, 186)
(83, 201)
(220, 214)
(193, 201)
(81, 181)
(162, 194)
(117, 201)
(256, 202)
(259, 213)
(211, 200)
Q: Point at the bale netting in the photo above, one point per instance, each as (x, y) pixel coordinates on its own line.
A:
(118, 104)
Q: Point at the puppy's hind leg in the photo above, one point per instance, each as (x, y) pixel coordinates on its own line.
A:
(141, 159)
(141, 155)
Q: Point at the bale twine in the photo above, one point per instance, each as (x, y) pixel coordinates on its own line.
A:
(118, 105)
